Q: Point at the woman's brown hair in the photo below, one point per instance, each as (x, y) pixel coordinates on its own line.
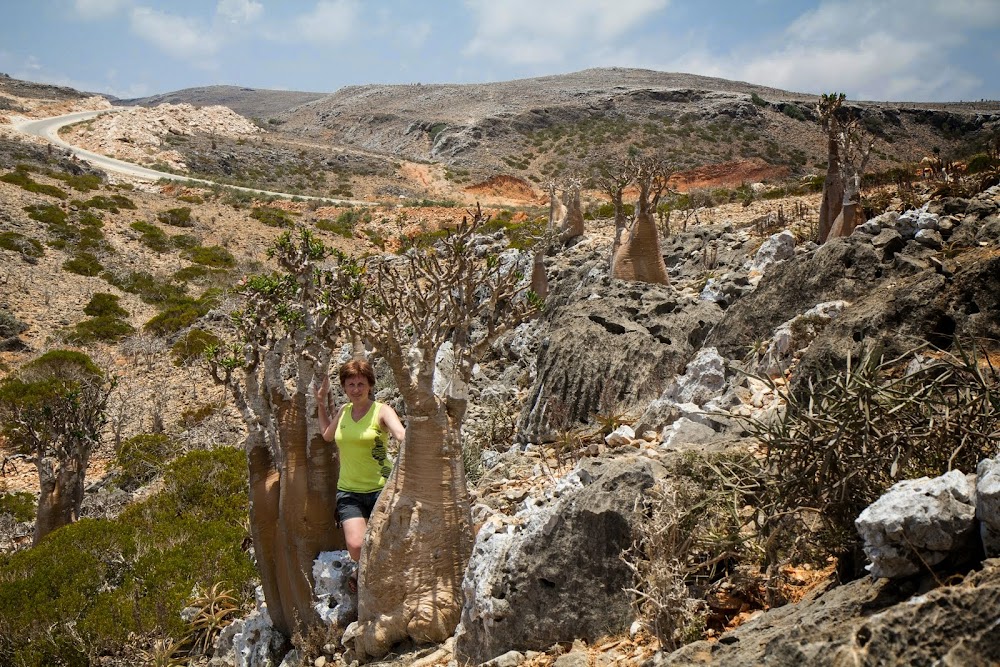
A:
(357, 367)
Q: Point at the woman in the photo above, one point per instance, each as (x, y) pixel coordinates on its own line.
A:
(360, 430)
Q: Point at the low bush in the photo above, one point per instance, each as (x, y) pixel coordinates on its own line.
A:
(184, 241)
(79, 182)
(108, 329)
(142, 458)
(28, 247)
(24, 181)
(211, 256)
(192, 345)
(151, 289)
(103, 304)
(695, 535)
(193, 273)
(10, 325)
(20, 505)
(846, 437)
(195, 416)
(84, 264)
(112, 204)
(152, 236)
(180, 314)
(272, 217)
(48, 214)
(176, 217)
(90, 588)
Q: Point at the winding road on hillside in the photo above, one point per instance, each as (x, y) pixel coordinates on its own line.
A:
(48, 129)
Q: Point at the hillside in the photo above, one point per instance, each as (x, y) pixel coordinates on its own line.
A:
(260, 104)
(558, 127)
(603, 437)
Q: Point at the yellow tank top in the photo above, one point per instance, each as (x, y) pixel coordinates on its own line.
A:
(364, 464)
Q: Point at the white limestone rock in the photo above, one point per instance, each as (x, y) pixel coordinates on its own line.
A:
(918, 521)
(988, 505)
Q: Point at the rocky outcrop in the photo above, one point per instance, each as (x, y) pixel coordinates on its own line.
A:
(866, 622)
(560, 576)
(901, 294)
(918, 523)
(606, 345)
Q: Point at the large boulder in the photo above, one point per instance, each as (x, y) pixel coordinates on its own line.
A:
(607, 344)
(918, 523)
(561, 577)
(988, 504)
(866, 622)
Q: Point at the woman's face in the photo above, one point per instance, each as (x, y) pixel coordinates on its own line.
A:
(357, 388)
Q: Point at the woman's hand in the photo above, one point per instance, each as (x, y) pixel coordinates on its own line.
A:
(323, 390)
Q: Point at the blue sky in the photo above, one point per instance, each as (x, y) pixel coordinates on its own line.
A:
(903, 50)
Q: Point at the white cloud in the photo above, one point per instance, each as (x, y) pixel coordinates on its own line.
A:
(891, 50)
(239, 11)
(330, 21)
(178, 36)
(99, 9)
(550, 32)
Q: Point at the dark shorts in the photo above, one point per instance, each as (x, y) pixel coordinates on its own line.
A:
(352, 505)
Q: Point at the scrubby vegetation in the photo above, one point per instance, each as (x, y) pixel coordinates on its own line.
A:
(111, 587)
(176, 217)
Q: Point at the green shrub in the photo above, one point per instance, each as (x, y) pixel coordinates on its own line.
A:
(83, 263)
(195, 416)
(19, 504)
(847, 436)
(213, 256)
(336, 227)
(90, 219)
(981, 162)
(124, 202)
(272, 217)
(102, 328)
(28, 247)
(10, 325)
(79, 182)
(150, 288)
(184, 241)
(90, 588)
(151, 236)
(21, 179)
(180, 314)
(192, 345)
(111, 204)
(191, 199)
(176, 217)
(793, 111)
(142, 458)
(193, 273)
(48, 214)
(103, 304)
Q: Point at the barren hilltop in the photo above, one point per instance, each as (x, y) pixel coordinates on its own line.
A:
(657, 474)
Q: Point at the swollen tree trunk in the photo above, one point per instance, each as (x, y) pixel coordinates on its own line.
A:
(283, 350)
(572, 226)
(639, 258)
(833, 190)
(61, 495)
(293, 506)
(539, 279)
(419, 541)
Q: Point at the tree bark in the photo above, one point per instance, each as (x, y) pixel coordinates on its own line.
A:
(639, 257)
(418, 543)
(833, 191)
(293, 506)
(572, 226)
(61, 493)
